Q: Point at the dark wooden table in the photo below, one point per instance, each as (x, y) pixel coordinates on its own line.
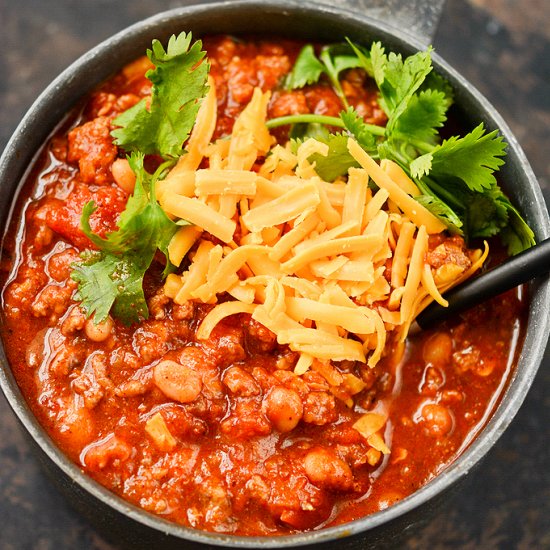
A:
(503, 47)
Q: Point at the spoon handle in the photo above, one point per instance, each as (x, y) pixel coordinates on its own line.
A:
(517, 270)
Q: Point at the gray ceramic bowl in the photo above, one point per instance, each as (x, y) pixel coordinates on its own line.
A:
(133, 527)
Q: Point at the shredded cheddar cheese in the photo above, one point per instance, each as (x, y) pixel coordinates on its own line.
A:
(331, 269)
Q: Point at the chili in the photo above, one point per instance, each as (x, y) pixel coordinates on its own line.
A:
(251, 448)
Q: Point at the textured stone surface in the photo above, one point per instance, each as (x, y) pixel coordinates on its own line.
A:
(503, 47)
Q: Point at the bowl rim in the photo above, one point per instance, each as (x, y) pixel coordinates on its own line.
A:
(501, 416)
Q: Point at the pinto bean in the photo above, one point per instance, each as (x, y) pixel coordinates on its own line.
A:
(438, 421)
(109, 450)
(75, 425)
(438, 349)
(99, 332)
(176, 381)
(283, 408)
(326, 470)
(240, 382)
(123, 175)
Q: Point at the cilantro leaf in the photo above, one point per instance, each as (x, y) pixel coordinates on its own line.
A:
(111, 283)
(485, 216)
(442, 211)
(472, 158)
(113, 277)
(360, 130)
(332, 60)
(378, 61)
(337, 162)
(179, 82)
(398, 80)
(303, 131)
(437, 83)
(425, 113)
(517, 235)
(363, 56)
(492, 213)
(421, 166)
(97, 288)
(338, 58)
(307, 69)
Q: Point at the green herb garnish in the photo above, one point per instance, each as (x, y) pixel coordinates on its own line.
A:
(179, 81)
(456, 176)
(332, 61)
(112, 277)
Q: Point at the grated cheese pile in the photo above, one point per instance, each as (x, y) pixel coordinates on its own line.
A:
(306, 258)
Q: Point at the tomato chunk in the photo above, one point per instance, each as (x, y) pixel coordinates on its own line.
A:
(63, 217)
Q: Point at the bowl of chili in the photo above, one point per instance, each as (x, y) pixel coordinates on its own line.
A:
(288, 20)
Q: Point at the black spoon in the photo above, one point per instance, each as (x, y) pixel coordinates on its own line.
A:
(517, 270)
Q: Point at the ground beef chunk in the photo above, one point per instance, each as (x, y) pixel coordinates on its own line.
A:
(449, 251)
(91, 146)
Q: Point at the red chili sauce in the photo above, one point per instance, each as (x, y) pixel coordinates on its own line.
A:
(236, 468)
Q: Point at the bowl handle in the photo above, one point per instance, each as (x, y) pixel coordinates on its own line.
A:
(418, 18)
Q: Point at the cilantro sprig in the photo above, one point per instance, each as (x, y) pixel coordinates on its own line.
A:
(332, 61)
(111, 278)
(456, 176)
(160, 125)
